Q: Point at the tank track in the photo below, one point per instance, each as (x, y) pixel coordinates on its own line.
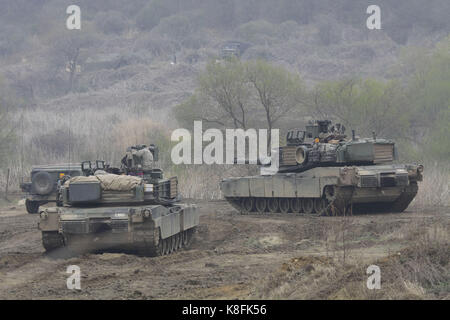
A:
(32, 206)
(146, 241)
(52, 240)
(405, 198)
(319, 206)
(149, 243)
(335, 202)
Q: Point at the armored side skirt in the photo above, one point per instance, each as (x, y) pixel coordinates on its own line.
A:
(318, 189)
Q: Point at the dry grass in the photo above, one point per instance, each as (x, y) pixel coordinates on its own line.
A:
(203, 182)
(83, 133)
(87, 134)
(418, 270)
(434, 190)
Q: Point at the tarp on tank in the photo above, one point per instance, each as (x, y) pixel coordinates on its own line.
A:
(110, 182)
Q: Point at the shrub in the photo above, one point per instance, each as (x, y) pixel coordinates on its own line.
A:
(111, 22)
(151, 15)
(56, 142)
(257, 32)
(287, 29)
(157, 45)
(175, 26)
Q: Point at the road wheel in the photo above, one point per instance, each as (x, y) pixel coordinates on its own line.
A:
(261, 205)
(308, 206)
(273, 205)
(296, 205)
(184, 238)
(170, 244)
(165, 246)
(320, 206)
(177, 241)
(189, 235)
(247, 205)
(160, 247)
(174, 243)
(32, 206)
(284, 205)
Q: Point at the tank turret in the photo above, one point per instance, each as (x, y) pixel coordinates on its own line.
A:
(321, 145)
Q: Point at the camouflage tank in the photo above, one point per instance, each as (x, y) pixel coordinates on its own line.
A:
(137, 210)
(322, 172)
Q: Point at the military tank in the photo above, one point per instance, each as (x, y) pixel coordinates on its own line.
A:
(323, 172)
(136, 210)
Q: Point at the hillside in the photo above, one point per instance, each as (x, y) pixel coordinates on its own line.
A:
(123, 52)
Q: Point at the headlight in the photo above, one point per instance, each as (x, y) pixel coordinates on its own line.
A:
(43, 215)
(420, 168)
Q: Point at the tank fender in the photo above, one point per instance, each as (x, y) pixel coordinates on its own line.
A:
(169, 225)
(49, 220)
(189, 217)
(167, 219)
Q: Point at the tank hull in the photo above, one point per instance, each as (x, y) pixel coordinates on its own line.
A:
(150, 230)
(326, 190)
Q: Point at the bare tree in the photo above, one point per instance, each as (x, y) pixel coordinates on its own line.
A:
(67, 53)
(277, 90)
(226, 87)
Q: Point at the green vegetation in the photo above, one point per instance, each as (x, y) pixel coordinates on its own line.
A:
(239, 94)
(414, 110)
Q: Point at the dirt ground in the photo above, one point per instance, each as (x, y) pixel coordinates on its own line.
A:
(232, 256)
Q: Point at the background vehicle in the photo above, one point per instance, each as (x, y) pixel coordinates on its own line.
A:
(322, 172)
(43, 186)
